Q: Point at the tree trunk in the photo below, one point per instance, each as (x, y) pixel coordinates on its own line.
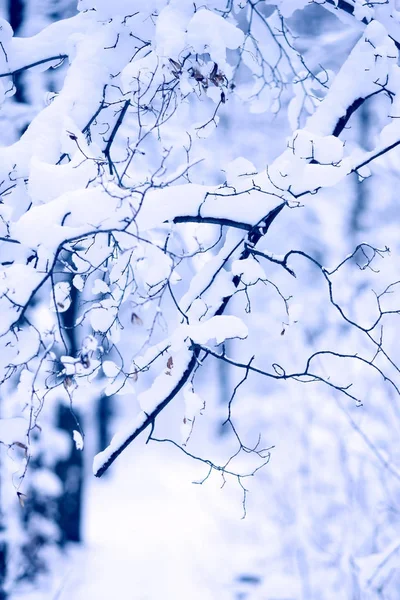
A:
(70, 470)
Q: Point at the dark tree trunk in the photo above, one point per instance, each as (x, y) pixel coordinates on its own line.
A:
(3, 557)
(16, 13)
(104, 414)
(361, 193)
(70, 470)
(16, 17)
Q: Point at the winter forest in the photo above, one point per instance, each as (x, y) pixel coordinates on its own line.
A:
(199, 300)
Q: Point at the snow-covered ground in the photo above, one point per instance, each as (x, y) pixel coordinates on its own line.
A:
(151, 534)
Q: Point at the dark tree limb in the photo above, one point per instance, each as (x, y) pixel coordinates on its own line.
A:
(255, 234)
(60, 57)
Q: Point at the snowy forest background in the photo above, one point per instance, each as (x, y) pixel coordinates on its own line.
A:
(199, 280)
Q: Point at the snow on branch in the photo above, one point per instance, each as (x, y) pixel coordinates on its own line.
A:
(131, 212)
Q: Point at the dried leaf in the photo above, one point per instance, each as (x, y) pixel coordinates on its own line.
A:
(214, 71)
(220, 79)
(170, 362)
(21, 499)
(197, 75)
(136, 320)
(67, 382)
(21, 445)
(177, 67)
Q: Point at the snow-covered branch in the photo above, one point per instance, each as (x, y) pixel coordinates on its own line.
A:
(114, 191)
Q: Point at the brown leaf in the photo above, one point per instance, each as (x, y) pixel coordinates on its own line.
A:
(136, 320)
(170, 362)
(21, 499)
(67, 382)
(219, 79)
(214, 71)
(197, 75)
(177, 67)
(21, 445)
(168, 373)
